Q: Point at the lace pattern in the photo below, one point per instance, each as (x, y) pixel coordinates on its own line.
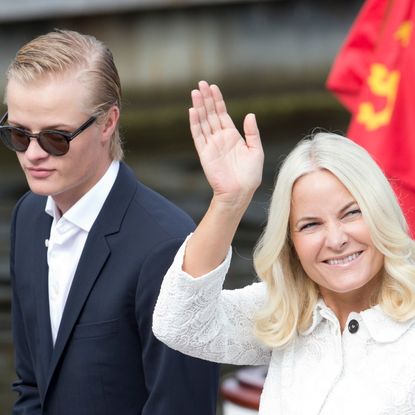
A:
(194, 316)
(321, 372)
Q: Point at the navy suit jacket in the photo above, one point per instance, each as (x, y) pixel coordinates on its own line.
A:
(106, 360)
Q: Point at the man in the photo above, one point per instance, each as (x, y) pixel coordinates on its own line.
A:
(89, 247)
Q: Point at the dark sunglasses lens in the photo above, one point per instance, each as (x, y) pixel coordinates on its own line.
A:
(14, 139)
(54, 143)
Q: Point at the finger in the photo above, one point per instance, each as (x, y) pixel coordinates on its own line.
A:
(210, 107)
(198, 105)
(224, 117)
(252, 137)
(196, 130)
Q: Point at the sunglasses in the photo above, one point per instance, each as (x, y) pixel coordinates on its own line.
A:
(54, 142)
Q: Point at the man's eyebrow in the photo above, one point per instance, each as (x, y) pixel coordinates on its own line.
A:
(49, 127)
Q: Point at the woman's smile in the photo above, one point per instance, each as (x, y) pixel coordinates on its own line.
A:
(344, 260)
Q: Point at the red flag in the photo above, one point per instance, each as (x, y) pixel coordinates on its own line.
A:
(374, 77)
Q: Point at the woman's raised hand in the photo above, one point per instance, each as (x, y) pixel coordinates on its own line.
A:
(232, 164)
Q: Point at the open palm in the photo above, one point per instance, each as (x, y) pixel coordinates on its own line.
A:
(232, 164)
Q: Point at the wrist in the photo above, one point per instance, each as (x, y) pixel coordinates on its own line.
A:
(231, 207)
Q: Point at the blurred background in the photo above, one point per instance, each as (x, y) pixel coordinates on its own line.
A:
(269, 57)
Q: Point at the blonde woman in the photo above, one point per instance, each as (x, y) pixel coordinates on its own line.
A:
(334, 314)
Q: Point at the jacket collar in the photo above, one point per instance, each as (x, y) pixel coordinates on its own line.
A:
(381, 327)
(96, 251)
(85, 211)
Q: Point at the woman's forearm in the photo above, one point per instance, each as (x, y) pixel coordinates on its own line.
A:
(209, 244)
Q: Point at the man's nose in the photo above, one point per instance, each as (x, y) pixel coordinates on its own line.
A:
(34, 151)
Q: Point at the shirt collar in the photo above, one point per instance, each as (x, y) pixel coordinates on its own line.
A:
(381, 327)
(320, 312)
(84, 212)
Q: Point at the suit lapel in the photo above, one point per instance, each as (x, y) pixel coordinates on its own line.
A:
(44, 334)
(93, 258)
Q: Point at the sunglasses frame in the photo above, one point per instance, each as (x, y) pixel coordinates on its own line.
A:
(67, 136)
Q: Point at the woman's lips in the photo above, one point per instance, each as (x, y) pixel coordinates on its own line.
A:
(344, 259)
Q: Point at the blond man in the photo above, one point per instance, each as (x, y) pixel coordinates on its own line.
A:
(89, 247)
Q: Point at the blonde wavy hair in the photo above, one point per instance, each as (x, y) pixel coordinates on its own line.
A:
(64, 51)
(292, 296)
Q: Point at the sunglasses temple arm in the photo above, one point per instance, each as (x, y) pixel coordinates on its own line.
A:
(3, 118)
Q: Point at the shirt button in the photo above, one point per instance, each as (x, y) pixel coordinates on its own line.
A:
(353, 326)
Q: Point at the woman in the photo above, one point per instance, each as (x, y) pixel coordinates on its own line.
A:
(334, 314)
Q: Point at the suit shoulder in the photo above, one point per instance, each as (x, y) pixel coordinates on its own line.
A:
(157, 211)
(29, 203)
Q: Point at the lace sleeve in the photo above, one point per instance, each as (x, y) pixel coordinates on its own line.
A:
(198, 318)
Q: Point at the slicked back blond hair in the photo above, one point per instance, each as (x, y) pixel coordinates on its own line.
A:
(63, 51)
(292, 296)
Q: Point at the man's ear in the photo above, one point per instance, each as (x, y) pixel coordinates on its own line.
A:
(110, 123)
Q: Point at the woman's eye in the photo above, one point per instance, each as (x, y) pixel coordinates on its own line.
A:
(309, 225)
(353, 212)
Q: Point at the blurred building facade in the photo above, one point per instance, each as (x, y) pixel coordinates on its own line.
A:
(159, 44)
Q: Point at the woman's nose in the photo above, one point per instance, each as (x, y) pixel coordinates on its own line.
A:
(336, 237)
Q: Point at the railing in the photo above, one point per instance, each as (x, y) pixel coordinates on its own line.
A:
(242, 390)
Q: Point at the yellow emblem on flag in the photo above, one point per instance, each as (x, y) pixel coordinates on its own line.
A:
(403, 34)
(382, 83)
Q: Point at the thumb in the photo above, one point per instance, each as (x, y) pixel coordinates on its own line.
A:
(251, 132)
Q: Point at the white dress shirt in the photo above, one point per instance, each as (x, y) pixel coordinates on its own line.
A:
(368, 369)
(67, 239)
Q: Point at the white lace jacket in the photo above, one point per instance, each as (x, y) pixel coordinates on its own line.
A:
(323, 371)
